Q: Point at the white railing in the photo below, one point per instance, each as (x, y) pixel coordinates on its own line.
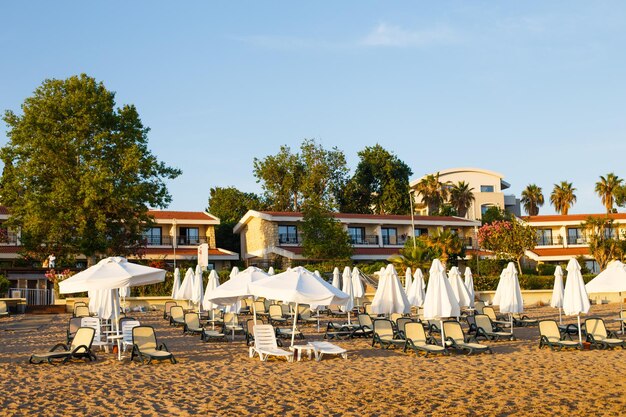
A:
(34, 297)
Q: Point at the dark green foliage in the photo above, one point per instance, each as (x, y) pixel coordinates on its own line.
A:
(494, 214)
(323, 237)
(546, 269)
(446, 210)
(4, 285)
(380, 184)
(488, 266)
(78, 174)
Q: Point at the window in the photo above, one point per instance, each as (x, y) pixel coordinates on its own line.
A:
(610, 233)
(486, 188)
(357, 235)
(420, 231)
(189, 236)
(390, 235)
(210, 266)
(484, 208)
(287, 234)
(544, 237)
(574, 236)
(152, 235)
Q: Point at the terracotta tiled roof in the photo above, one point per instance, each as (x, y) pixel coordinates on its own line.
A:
(572, 217)
(372, 216)
(577, 251)
(10, 249)
(4, 210)
(356, 251)
(181, 215)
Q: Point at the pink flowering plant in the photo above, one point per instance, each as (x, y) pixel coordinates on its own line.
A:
(507, 239)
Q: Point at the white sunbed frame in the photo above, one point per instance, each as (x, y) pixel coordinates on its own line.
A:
(265, 344)
(322, 348)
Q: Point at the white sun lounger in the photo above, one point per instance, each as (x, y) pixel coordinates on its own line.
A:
(321, 348)
(265, 344)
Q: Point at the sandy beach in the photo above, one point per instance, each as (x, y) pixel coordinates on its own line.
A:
(218, 378)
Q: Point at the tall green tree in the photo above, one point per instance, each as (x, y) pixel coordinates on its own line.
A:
(290, 179)
(532, 199)
(507, 239)
(604, 243)
(78, 175)
(563, 197)
(230, 205)
(323, 237)
(434, 193)
(608, 189)
(461, 197)
(494, 214)
(380, 184)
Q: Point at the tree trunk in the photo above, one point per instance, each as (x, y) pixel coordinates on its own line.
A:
(519, 266)
(91, 261)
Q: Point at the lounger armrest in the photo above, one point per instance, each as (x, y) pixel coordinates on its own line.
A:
(470, 339)
(60, 345)
(77, 348)
(162, 346)
(431, 340)
(611, 334)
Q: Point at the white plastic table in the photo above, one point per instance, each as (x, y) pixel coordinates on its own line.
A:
(297, 350)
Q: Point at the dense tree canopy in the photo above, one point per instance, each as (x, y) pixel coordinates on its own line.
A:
(323, 237)
(78, 175)
(507, 239)
(434, 193)
(380, 184)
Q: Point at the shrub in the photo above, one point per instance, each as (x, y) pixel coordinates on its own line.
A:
(546, 269)
(4, 285)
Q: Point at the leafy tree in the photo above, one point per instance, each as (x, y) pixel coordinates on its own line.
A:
(380, 184)
(323, 237)
(230, 205)
(532, 199)
(414, 255)
(604, 246)
(494, 214)
(446, 210)
(433, 192)
(290, 179)
(78, 175)
(608, 188)
(461, 197)
(507, 239)
(620, 196)
(563, 197)
(445, 245)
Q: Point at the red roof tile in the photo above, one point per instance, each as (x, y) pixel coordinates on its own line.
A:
(356, 251)
(181, 251)
(577, 251)
(371, 216)
(10, 249)
(181, 215)
(4, 210)
(571, 217)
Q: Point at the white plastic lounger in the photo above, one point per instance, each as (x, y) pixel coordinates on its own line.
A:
(322, 348)
(265, 344)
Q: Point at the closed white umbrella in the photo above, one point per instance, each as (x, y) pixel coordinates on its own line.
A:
(510, 300)
(185, 292)
(211, 285)
(408, 279)
(346, 279)
(357, 284)
(270, 271)
(416, 294)
(440, 301)
(234, 272)
(575, 298)
(469, 284)
(419, 275)
(557, 291)
(198, 288)
(505, 272)
(458, 287)
(176, 285)
(300, 286)
(316, 272)
(349, 291)
(390, 296)
(336, 279)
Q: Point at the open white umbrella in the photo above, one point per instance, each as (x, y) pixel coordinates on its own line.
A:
(270, 271)
(336, 278)
(198, 288)
(176, 285)
(300, 286)
(440, 301)
(357, 284)
(416, 294)
(390, 296)
(575, 298)
(510, 300)
(469, 284)
(458, 287)
(419, 275)
(346, 279)
(557, 292)
(408, 279)
(611, 280)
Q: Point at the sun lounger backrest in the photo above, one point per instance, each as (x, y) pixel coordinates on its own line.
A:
(169, 305)
(596, 328)
(276, 311)
(394, 317)
(478, 306)
(3, 307)
(550, 330)
(490, 312)
(127, 330)
(285, 309)
(81, 311)
(192, 320)
(368, 310)
(177, 313)
(75, 324)
(259, 306)
(84, 337)
(231, 319)
(483, 322)
(144, 337)
(453, 330)
(415, 332)
(94, 323)
(365, 320)
(383, 328)
(402, 322)
(264, 336)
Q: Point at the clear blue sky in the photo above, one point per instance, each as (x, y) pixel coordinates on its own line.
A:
(535, 90)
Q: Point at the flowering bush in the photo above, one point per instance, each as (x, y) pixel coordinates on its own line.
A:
(507, 239)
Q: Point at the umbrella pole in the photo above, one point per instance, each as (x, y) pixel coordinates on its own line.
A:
(254, 311)
(580, 335)
(348, 317)
(560, 316)
(293, 329)
(511, 317)
(443, 340)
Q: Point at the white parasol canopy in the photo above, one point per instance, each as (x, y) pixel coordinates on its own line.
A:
(198, 290)
(557, 291)
(236, 288)
(346, 279)
(357, 284)
(575, 298)
(419, 275)
(612, 279)
(510, 300)
(440, 301)
(185, 292)
(234, 271)
(408, 279)
(458, 287)
(506, 271)
(316, 272)
(270, 271)
(105, 303)
(112, 273)
(211, 285)
(469, 284)
(336, 278)
(416, 294)
(390, 296)
(349, 290)
(176, 285)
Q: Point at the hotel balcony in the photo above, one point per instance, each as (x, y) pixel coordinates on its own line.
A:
(549, 240)
(180, 241)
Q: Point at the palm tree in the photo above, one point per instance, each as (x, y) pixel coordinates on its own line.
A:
(461, 197)
(445, 244)
(607, 188)
(532, 199)
(563, 197)
(433, 192)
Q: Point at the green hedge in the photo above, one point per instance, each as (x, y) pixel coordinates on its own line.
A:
(526, 282)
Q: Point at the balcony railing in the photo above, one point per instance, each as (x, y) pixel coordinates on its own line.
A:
(8, 239)
(576, 240)
(289, 239)
(549, 240)
(364, 240)
(468, 242)
(180, 240)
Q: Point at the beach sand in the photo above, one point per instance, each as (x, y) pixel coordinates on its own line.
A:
(218, 378)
